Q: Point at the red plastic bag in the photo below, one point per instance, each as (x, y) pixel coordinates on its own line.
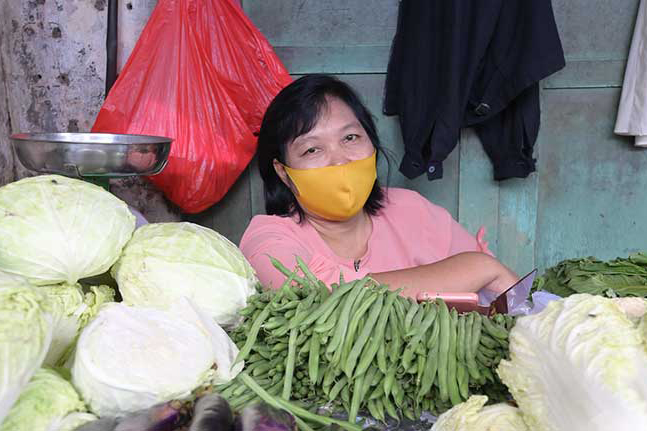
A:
(170, 87)
(242, 54)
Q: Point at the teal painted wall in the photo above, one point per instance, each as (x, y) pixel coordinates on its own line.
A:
(589, 195)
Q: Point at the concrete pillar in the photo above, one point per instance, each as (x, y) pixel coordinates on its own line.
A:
(54, 59)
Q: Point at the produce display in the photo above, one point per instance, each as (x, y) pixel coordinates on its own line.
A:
(307, 356)
(616, 278)
(362, 346)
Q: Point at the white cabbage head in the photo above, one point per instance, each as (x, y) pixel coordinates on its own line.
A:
(580, 364)
(167, 261)
(55, 229)
(71, 310)
(46, 400)
(131, 358)
(474, 415)
(25, 336)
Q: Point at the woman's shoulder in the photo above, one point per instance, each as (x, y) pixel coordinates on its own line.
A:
(406, 200)
(271, 223)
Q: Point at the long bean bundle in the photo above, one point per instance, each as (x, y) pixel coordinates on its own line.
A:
(362, 346)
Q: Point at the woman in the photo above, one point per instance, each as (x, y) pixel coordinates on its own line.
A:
(317, 152)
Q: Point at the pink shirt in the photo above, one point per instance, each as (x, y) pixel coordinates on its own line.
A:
(409, 231)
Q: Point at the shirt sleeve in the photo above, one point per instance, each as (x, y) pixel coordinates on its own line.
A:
(462, 241)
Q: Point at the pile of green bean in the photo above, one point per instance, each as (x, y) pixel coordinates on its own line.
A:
(362, 346)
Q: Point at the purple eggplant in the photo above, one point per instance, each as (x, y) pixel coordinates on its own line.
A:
(212, 413)
(263, 417)
(162, 417)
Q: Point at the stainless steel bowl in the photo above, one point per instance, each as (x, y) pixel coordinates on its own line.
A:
(92, 154)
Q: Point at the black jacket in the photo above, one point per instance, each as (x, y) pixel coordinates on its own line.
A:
(477, 63)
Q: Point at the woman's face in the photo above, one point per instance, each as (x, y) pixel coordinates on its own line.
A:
(337, 138)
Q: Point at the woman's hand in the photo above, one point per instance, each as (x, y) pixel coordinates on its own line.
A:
(464, 272)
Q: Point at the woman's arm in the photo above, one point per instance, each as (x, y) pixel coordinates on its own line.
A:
(464, 272)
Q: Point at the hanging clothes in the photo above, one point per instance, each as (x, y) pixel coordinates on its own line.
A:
(632, 111)
(473, 63)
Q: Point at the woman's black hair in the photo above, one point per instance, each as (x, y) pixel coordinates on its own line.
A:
(294, 112)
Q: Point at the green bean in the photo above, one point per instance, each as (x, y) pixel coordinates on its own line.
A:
(379, 409)
(279, 347)
(398, 395)
(484, 360)
(371, 379)
(328, 305)
(431, 368)
(395, 345)
(452, 382)
(292, 408)
(463, 380)
(372, 409)
(336, 389)
(274, 322)
(313, 359)
(345, 396)
(342, 323)
(381, 357)
(489, 342)
(289, 364)
(417, 321)
(278, 265)
(494, 330)
(420, 362)
(443, 355)
(354, 324)
(390, 409)
(420, 331)
(370, 349)
(306, 271)
(388, 381)
(411, 312)
(377, 392)
(356, 399)
(373, 315)
(460, 341)
(470, 355)
(251, 338)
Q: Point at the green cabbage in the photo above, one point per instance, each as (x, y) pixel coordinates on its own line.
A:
(55, 229)
(71, 310)
(131, 358)
(473, 415)
(25, 336)
(11, 280)
(166, 261)
(45, 401)
(580, 364)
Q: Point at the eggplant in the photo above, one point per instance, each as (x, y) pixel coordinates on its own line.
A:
(263, 417)
(212, 413)
(161, 417)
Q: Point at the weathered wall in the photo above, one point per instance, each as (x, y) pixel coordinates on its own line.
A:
(53, 56)
(589, 194)
(6, 155)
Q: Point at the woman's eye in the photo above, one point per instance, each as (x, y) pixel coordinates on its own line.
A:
(351, 137)
(310, 150)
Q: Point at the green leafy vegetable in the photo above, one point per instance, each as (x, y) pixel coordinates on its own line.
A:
(166, 261)
(55, 229)
(43, 404)
(580, 364)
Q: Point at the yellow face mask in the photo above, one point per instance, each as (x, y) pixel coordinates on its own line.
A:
(335, 192)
